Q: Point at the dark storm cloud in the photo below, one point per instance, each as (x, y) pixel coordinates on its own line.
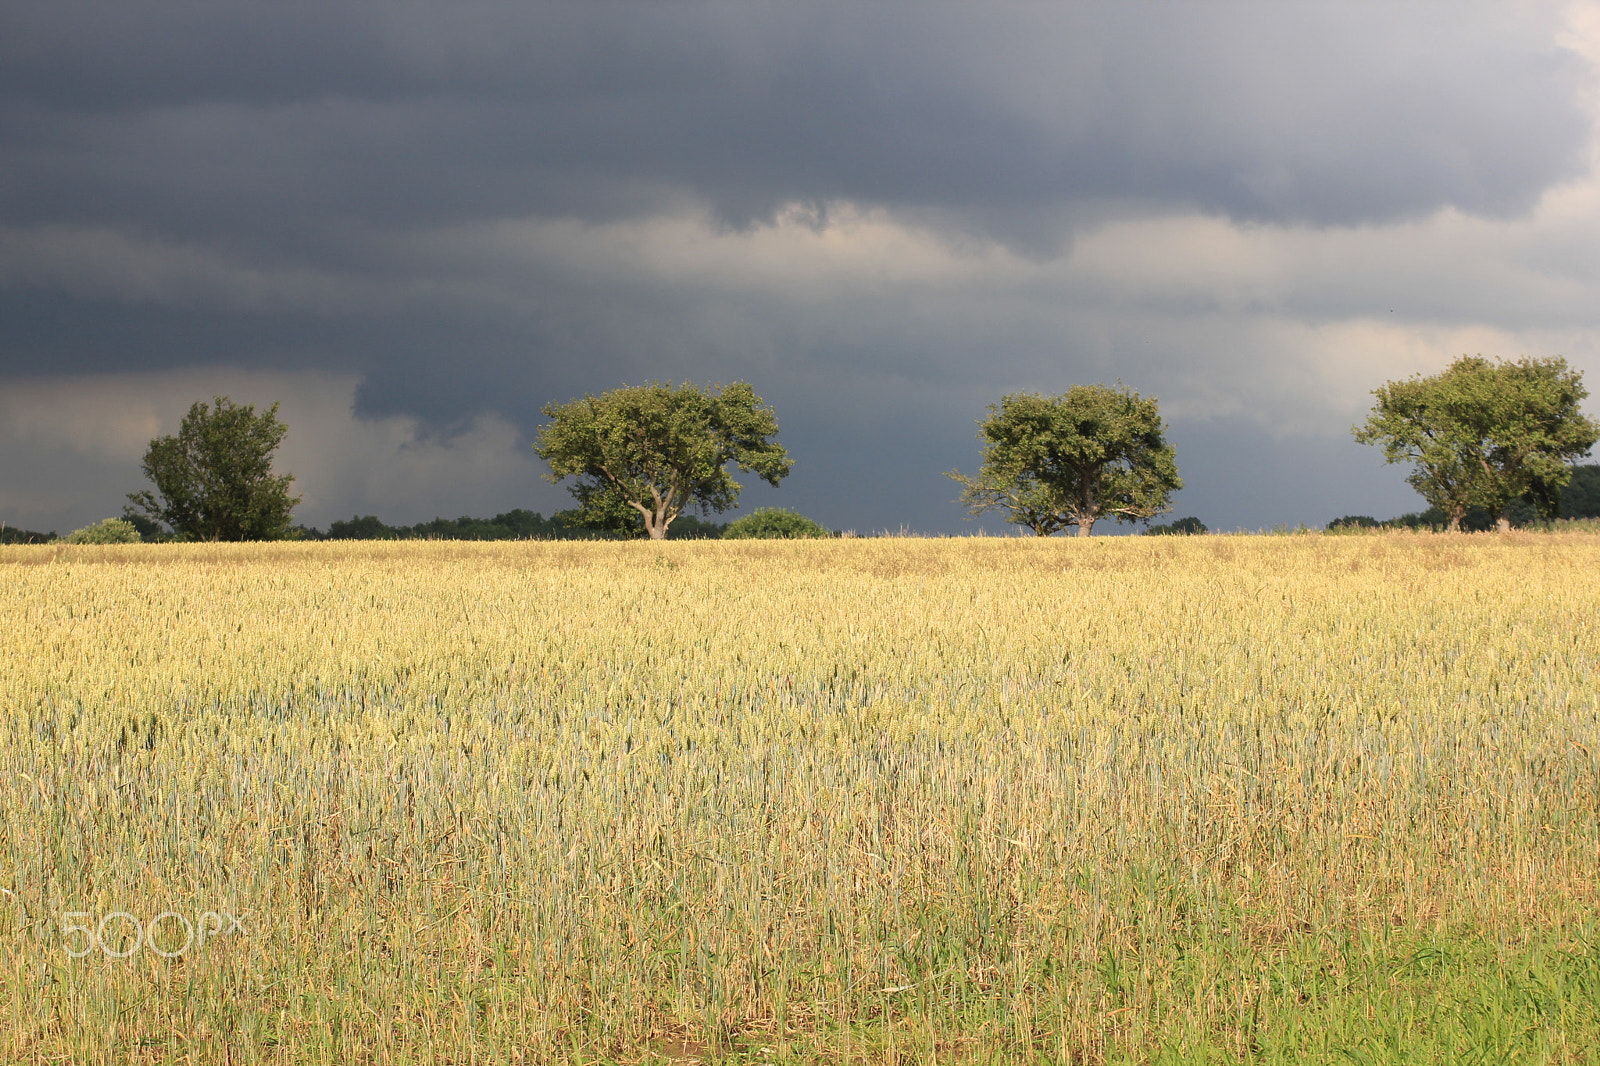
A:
(254, 116)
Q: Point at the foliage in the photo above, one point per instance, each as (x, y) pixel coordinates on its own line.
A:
(361, 527)
(856, 801)
(1476, 520)
(1581, 496)
(150, 531)
(107, 531)
(568, 525)
(214, 480)
(1070, 460)
(518, 524)
(1182, 527)
(651, 451)
(690, 527)
(608, 514)
(774, 523)
(1485, 434)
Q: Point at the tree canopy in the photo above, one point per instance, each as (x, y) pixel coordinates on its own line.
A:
(214, 480)
(1485, 434)
(1056, 461)
(649, 452)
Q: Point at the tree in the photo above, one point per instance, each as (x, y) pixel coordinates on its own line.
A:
(651, 451)
(1485, 434)
(214, 480)
(1056, 461)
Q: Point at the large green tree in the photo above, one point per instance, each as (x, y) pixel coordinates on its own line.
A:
(648, 452)
(214, 480)
(1056, 461)
(1485, 434)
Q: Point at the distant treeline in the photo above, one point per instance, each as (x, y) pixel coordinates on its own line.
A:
(1579, 499)
(12, 535)
(512, 525)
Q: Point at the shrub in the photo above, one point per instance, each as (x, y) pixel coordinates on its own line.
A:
(1182, 527)
(773, 523)
(108, 531)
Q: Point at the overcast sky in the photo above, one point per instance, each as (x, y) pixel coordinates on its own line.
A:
(414, 224)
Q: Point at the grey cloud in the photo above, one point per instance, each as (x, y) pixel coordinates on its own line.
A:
(73, 446)
(279, 115)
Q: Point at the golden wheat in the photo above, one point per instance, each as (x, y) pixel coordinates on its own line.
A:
(871, 799)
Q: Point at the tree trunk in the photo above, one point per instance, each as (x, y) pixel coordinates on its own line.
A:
(654, 527)
(656, 520)
(1088, 506)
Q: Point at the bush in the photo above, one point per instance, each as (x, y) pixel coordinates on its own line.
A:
(109, 531)
(773, 523)
(1183, 527)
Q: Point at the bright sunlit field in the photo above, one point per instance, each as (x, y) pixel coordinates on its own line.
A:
(1220, 798)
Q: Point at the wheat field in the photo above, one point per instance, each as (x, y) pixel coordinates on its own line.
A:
(1203, 799)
